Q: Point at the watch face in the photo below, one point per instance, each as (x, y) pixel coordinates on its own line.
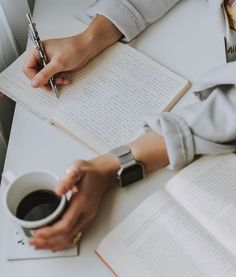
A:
(131, 174)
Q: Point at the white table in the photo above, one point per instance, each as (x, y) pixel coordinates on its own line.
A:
(186, 42)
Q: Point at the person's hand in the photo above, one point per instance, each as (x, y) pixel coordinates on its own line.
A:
(91, 180)
(69, 54)
(64, 54)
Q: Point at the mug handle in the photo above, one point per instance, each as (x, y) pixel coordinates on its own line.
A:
(8, 177)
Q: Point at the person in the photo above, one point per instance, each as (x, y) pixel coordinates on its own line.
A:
(169, 139)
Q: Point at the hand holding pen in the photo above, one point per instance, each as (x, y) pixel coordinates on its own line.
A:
(69, 53)
(33, 33)
(45, 63)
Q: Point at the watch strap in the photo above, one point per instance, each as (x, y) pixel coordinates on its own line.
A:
(130, 170)
(124, 154)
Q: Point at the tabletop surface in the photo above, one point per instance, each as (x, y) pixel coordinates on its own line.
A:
(179, 41)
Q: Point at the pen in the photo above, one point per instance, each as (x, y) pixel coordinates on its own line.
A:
(34, 35)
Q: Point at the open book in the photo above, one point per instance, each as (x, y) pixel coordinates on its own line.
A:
(186, 229)
(107, 100)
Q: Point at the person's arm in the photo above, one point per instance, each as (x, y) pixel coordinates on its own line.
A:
(113, 19)
(207, 127)
(131, 16)
(71, 53)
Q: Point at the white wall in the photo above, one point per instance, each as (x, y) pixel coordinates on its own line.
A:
(31, 4)
(15, 12)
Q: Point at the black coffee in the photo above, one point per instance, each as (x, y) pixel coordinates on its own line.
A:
(37, 205)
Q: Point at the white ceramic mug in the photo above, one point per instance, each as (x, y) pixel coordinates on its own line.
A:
(21, 186)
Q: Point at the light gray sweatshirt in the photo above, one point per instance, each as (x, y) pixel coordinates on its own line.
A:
(207, 127)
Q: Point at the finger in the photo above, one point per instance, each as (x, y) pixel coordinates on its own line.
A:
(81, 225)
(54, 242)
(65, 224)
(32, 64)
(42, 77)
(62, 81)
(50, 243)
(47, 88)
(62, 248)
(58, 242)
(73, 175)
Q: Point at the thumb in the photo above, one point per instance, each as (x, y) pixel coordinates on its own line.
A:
(42, 77)
(73, 175)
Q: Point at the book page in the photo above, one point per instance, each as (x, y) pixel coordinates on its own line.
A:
(15, 85)
(18, 87)
(161, 239)
(110, 109)
(207, 190)
(106, 103)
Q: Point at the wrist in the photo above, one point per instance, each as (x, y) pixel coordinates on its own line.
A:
(131, 170)
(150, 150)
(108, 166)
(101, 33)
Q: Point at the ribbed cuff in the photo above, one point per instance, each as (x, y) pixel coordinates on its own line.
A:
(177, 135)
(122, 14)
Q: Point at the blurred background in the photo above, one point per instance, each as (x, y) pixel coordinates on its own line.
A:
(13, 39)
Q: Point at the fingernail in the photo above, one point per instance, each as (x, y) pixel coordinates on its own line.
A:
(31, 242)
(66, 82)
(35, 82)
(59, 191)
(74, 190)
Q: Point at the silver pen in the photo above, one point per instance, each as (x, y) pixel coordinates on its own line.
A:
(34, 35)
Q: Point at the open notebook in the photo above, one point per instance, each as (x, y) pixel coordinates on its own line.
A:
(106, 103)
(186, 229)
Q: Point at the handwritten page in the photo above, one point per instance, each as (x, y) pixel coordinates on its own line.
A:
(14, 84)
(161, 239)
(124, 85)
(106, 102)
(207, 190)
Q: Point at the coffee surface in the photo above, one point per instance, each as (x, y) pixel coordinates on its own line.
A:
(37, 205)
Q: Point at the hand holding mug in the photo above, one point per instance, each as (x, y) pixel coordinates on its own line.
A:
(89, 180)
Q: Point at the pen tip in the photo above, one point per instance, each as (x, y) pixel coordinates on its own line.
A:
(56, 92)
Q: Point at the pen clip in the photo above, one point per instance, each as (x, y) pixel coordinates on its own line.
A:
(34, 36)
(30, 35)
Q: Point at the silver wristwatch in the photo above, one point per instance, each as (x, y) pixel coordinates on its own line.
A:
(130, 170)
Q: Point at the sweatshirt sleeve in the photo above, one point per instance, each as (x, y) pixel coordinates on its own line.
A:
(207, 127)
(131, 16)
